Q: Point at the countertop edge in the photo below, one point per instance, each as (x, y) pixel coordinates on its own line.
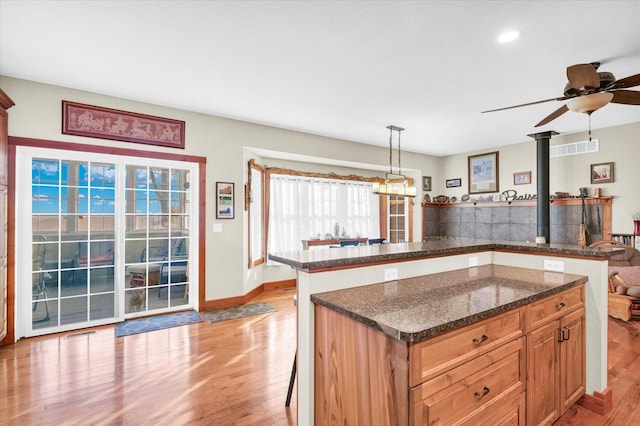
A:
(451, 325)
(356, 260)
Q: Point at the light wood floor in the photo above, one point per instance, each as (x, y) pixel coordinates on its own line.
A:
(230, 373)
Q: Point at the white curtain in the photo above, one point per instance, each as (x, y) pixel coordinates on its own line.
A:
(302, 208)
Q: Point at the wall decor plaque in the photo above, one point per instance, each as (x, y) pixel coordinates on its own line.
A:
(484, 173)
(106, 123)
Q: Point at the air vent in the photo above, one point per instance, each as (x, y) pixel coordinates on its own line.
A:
(573, 148)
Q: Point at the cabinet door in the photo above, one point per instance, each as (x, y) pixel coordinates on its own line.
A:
(3, 263)
(542, 375)
(572, 359)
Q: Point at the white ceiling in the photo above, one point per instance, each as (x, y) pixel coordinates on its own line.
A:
(343, 69)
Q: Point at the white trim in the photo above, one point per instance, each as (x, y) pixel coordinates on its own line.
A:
(23, 245)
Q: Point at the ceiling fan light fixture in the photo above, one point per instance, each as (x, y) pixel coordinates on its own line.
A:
(508, 36)
(589, 103)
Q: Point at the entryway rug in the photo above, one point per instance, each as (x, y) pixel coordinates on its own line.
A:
(158, 322)
(247, 310)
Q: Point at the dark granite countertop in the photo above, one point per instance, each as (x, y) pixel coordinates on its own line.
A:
(345, 257)
(418, 308)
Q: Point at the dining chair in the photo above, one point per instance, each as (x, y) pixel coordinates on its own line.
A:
(345, 243)
(373, 241)
(173, 271)
(38, 276)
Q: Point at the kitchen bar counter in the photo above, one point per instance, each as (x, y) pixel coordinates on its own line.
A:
(349, 257)
(418, 308)
(327, 270)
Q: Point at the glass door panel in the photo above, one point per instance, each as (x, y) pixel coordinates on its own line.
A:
(73, 236)
(397, 215)
(156, 238)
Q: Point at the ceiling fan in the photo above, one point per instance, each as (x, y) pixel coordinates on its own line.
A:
(589, 90)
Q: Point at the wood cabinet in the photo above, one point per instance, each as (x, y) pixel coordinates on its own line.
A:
(556, 356)
(524, 366)
(5, 104)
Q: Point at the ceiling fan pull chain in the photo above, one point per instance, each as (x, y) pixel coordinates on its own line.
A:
(589, 126)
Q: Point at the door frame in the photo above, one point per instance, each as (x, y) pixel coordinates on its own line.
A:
(14, 142)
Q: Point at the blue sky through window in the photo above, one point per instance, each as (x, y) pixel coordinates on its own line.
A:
(55, 183)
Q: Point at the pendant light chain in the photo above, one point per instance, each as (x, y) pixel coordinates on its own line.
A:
(399, 168)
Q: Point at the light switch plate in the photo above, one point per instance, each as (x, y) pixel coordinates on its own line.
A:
(553, 265)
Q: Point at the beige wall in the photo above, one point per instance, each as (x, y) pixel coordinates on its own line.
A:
(620, 145)
(228, 144)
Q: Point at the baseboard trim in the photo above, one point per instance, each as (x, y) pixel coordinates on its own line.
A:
(277, 285)
(230, 302)
(600, 402)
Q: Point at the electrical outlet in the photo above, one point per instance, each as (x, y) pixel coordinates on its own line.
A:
(473, 261)
(391, 274)
(554, 265)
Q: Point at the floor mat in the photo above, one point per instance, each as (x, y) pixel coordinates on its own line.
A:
(239, 312)
(158, 322)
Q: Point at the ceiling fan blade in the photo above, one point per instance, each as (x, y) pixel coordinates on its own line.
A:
(627, 97)
(529, 103)
(583, 75)
(625, 83)
(555, 114)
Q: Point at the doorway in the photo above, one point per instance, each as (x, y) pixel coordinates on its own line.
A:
(109, 238)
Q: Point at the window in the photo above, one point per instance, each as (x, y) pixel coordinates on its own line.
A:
(256, 214)
(308, 207)
(396, 218)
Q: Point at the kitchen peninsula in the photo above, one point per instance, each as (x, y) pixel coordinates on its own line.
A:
(326, 270)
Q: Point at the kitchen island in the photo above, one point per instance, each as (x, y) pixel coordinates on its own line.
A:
(407, 352)
(321, 271)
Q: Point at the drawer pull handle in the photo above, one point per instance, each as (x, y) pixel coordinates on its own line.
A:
(480, 340)
(560, 305)
(484, 392)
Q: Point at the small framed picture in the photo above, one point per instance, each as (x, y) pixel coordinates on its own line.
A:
(602, 173)
(453, 183)
(224, 200)
(426, 183)
(521, 178)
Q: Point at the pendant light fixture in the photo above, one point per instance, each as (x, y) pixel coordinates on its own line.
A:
(394, 183)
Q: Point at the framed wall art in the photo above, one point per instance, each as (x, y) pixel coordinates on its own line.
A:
(106, 123)
(426, 183)
(224, 200)
(453, 183)
(521, 178)
(484, 173)
(602, 173)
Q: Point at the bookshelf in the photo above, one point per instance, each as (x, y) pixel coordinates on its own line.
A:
(632, 240)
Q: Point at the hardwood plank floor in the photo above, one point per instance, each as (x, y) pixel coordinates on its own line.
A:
(230, 373)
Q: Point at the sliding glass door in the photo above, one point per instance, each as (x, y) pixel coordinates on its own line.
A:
(108, 238)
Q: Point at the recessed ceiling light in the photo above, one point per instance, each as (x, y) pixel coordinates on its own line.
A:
(509, 36)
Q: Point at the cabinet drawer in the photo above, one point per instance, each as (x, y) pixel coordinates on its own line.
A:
(553, 307)
(479, 386)
(502, 413)
(435, 356)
